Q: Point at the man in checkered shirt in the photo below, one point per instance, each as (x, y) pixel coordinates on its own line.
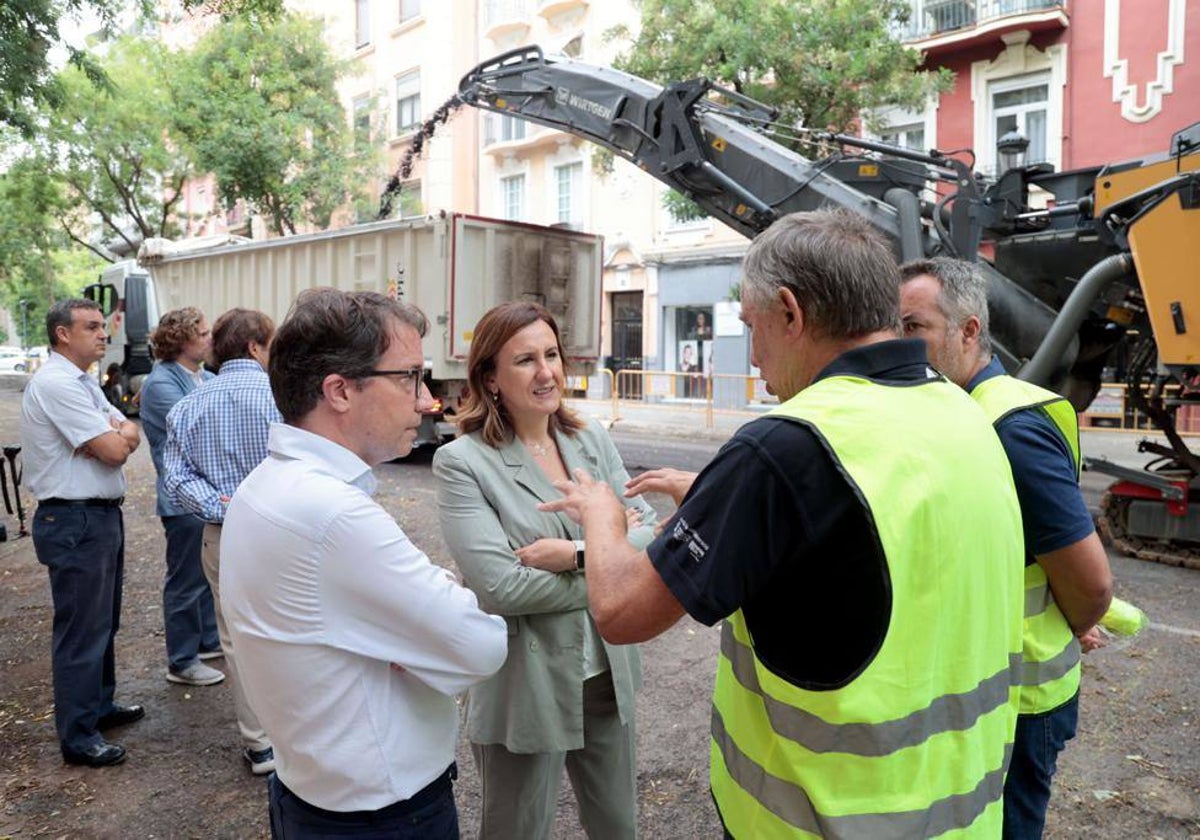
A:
(216, 435)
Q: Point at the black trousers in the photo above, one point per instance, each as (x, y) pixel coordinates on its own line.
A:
(83, 547)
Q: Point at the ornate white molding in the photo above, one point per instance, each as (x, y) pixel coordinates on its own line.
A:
(1020, 58)
(1117, 68)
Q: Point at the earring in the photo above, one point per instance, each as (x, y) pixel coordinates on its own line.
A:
(495, 396)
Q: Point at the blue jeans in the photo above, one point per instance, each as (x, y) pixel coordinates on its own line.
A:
(1039, 740)
(430, 814)
(84, 550)
(189, 621)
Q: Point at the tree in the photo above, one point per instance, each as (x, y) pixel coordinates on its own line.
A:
(112, 151)
(29, 31)
(259, 109)
(35, 265)
(825, 64)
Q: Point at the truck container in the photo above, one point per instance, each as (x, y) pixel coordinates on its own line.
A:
(453, 266)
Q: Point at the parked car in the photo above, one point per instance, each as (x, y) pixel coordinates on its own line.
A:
(12, 364)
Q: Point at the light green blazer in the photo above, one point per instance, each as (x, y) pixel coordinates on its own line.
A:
(487, 505)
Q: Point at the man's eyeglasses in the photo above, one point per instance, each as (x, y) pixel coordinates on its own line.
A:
(414, 374)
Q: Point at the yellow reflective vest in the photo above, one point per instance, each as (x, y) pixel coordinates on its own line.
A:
(1050, 671)
(917, 744)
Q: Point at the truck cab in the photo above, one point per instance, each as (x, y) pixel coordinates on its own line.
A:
(126, 295)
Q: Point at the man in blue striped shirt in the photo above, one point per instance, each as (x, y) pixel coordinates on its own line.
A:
(215, 436)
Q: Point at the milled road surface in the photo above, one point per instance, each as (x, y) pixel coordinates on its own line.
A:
(1133, 771)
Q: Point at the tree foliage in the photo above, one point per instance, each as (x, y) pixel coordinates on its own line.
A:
(825, 64)
(259, 109)
(111, 148)
(30, 31)
(35, 264)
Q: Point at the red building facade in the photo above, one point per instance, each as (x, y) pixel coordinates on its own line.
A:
(1087, 82)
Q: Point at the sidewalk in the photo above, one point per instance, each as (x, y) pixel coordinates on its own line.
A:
(679, 420)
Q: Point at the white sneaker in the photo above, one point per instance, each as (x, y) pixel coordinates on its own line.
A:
(206, 655)
(261, 762)
(198, 674)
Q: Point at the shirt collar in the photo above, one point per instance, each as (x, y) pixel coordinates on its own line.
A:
(901, 359)
(333, 458)
(56, 359)
(241, 364)
(991, 370)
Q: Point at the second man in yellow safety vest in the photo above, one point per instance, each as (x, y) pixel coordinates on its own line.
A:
(1068, 584)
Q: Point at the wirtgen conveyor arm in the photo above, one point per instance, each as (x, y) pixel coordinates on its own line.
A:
(716, 154)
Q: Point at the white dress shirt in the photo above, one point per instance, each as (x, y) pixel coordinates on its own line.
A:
(322, 591)
(62, 409)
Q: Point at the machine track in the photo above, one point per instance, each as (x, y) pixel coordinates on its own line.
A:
(1112, 523)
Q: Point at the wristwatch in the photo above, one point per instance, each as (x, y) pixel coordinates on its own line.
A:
(579, 555)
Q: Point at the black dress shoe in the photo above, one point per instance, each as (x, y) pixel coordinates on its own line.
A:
(120, 715)
(97, 755)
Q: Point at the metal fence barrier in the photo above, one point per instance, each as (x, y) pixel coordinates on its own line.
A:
(715, 395)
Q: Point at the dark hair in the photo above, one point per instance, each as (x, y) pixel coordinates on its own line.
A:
(332, 331)
(175, 329)
(235, 329)
(963, 292)
(840, 269)
(493, 331)
(61, 312)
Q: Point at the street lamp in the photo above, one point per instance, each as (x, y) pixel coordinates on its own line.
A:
(1011, 147)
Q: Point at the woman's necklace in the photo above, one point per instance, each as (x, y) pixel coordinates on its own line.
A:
(539, 450)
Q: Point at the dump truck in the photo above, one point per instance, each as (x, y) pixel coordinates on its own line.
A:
(453, 266)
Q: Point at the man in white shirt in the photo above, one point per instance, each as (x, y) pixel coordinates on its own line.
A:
(74, 444)
(351, 643)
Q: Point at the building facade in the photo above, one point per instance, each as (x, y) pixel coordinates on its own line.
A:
(1087, 83)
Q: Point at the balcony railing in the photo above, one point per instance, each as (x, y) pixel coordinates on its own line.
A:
(933, 17)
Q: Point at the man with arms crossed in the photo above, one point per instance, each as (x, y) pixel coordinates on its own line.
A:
(855, 507)
(215, 436)
(182, 343)
(351, 643)
(1068, 585)
(74, 444)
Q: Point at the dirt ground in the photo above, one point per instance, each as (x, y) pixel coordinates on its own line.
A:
(1133, 771)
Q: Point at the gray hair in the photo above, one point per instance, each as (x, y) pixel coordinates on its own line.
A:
(963, 292)
(62, 312)
(840, 269)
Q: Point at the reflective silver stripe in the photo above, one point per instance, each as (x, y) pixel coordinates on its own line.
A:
(1037, 600)
(951, 712)
(1040, 673)
(790, 803)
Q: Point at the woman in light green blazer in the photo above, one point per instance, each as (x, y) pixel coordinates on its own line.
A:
(564, 695)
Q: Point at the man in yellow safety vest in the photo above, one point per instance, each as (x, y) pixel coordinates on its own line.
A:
(874, 503)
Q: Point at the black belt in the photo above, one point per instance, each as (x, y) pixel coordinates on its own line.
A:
(418, 800)
(108, 503)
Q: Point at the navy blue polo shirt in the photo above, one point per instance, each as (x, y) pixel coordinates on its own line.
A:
(772, 526)
(1053, 512)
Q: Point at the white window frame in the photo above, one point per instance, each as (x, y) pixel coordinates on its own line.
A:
(1020, 113)
(505, 196)
(904, 117)
(408, 83)
(574, 194)
(360, 108)
(1019, 59)
(413, 13)
(362, 24)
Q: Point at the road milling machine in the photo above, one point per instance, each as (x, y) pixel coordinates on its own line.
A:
(1087, 269)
